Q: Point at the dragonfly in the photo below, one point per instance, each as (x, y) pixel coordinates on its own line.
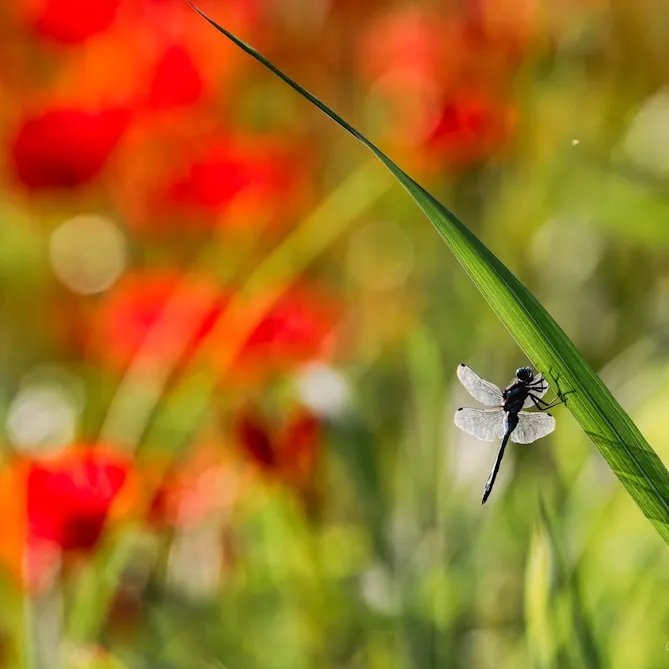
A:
(506, 420)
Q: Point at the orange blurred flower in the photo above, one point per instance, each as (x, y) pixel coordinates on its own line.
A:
(509, 28)
(409, 39)
(65, 147)
(190, 490)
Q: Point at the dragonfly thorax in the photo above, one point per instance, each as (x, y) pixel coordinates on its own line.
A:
(515, 396)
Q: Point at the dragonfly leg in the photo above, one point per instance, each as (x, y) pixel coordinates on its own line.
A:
(538, 385)
(544, 406)
(562, 396)
(559, 393)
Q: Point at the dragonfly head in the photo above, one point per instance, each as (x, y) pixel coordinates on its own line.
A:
(524, 374)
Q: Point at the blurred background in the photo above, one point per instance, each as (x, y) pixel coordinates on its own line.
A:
(228, 340)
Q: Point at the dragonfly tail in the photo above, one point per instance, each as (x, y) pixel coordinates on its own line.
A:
(493, 474)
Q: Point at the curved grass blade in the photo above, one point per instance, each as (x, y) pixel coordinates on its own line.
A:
(634, 462)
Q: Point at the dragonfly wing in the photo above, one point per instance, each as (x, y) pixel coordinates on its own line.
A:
(538, 387)
(485, 392)
(484, 424)
(532, 426)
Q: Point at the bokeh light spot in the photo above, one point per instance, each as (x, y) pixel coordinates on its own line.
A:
(647, 141)
(44, 414)
(88, 254)
(323, 389)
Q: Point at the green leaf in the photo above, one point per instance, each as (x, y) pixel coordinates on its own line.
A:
(612, 431)
(539, 615)
(581, 642)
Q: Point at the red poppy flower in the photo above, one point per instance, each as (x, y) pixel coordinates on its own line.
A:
(242, 177)
(470, 127)
(176, 82)
(56, 509)
(410, 40)
(65, 147)
(189, 306)
(72, 21)
(180, 313)
(454, 72)
(68, 498)
(67, 502)
(253, 434)
(298, 443)
(288, 451)
(186, 178)
(299, 327)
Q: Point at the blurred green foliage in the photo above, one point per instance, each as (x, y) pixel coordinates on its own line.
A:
(395, 564)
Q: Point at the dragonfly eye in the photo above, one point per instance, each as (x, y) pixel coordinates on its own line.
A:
(524, 374)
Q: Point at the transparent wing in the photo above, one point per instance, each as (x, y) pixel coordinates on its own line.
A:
(484, 424)
(485, 392)
(539, 388)
(532, 426)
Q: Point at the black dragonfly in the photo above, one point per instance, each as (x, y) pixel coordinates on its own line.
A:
(507, 419)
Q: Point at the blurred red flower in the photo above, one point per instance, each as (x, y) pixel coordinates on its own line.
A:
(442, 81)
(297, 327)
(410, 39)
(470, 127)
(139, 301)
(56, 508)
(288, 451)
(191, 177)
(176, 81)
(71, 21)
(255, 439)
(68, 498)
(242, 176)
(65, 147)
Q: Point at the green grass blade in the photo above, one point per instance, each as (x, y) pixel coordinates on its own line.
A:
(612, 431)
